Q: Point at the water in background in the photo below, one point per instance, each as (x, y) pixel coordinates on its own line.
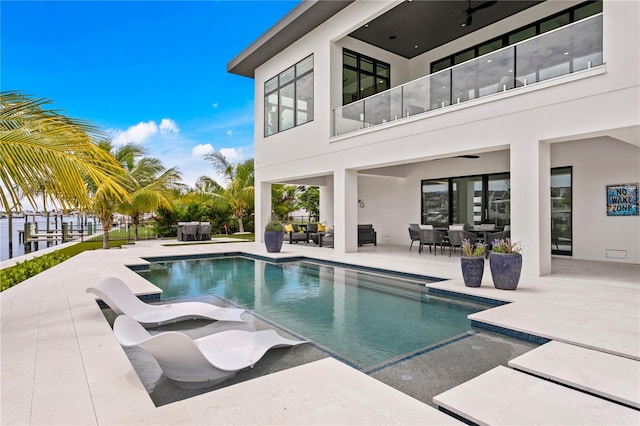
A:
(18, 225)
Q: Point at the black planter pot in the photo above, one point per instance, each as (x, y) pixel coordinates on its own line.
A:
(472, 270)
(273, 241)
(505, 270)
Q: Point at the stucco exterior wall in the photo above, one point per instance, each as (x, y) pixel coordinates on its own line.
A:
(524, 131)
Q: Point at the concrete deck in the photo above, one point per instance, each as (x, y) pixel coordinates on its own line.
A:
(62, 365)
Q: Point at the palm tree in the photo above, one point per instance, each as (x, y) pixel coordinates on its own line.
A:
(238, 185)
(154, 189)
(283, 201)
(44, 152)
(150, 187)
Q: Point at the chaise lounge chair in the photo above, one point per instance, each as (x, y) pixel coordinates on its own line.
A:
(203, 362)
(117, 295)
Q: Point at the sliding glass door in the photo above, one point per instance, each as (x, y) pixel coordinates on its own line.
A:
(498, 200)
(561, 211)
(471, 200)
(435, 202)
(467, 198)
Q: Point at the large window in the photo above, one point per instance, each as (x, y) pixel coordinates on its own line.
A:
(362, 76)
(574, 14)
(288, 98)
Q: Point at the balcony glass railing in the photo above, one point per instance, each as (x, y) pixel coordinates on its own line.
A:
(563, 51)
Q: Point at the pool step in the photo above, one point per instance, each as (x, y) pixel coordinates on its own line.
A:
(599, 373)
(504, 396)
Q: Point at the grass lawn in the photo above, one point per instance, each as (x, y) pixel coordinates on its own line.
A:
(23, 270)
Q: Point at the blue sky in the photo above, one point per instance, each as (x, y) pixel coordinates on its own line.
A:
(148, 72)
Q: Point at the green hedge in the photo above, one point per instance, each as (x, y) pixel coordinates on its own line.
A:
(23, 270)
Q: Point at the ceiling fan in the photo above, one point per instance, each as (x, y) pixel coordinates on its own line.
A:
(471, 10)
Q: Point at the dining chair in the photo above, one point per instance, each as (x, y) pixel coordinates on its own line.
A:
(414, 234)
(431, 237)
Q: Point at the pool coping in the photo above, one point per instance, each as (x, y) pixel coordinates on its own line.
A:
(94, 375)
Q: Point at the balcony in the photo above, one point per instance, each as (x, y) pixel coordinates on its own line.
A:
(566, 50)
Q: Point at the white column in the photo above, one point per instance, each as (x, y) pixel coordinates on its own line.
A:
(345, 210)
(531, 204)
(327, 202)
(262, 208)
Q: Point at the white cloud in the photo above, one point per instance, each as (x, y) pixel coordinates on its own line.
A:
(229, 132)
(135, 134)
(167, 125)
(231, 154)
(215, 104)
(201, 150)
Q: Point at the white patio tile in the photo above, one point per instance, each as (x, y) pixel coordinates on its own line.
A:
(51, 314)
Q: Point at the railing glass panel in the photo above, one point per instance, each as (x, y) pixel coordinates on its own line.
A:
(563, 51)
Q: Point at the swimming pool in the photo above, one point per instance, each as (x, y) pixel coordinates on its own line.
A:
(363, 318)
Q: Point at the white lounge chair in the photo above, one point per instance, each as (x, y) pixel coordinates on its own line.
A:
(117, 295)
(203, 362)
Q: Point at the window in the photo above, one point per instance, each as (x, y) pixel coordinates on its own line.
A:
(574, 14)
(362, 76)
(561, 211)
(288, 98)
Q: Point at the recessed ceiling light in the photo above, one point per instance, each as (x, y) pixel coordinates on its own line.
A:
(488, 60)
(366, 25)
(566, 53)
(415, 47)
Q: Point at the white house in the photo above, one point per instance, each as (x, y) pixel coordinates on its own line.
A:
(436, 112)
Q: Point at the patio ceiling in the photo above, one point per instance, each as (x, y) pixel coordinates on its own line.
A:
(422, 23)
(415, 27)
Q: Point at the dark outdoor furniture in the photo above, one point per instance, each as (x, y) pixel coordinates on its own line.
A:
(367, 235)
(296, 235)
(414, 234)
(456, 237)
(431, 237)
(326, 240)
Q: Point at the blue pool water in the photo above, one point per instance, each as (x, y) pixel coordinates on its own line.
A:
(366, 319)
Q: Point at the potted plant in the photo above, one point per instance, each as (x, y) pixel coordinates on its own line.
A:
(273, 236)
(472, 263)
(505, 262)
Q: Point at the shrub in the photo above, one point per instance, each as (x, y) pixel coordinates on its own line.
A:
(506, 246)
(472, 250)
(23, 270)
(274, 226)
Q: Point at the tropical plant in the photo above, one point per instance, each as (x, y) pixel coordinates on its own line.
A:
(472, 250)
(154, 187)
(308, 198)
(42, 152)
(150, 187)
(283, 200)
(238, 189)
(506, 246)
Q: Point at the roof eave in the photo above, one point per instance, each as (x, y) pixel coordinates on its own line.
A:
(300, 21)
